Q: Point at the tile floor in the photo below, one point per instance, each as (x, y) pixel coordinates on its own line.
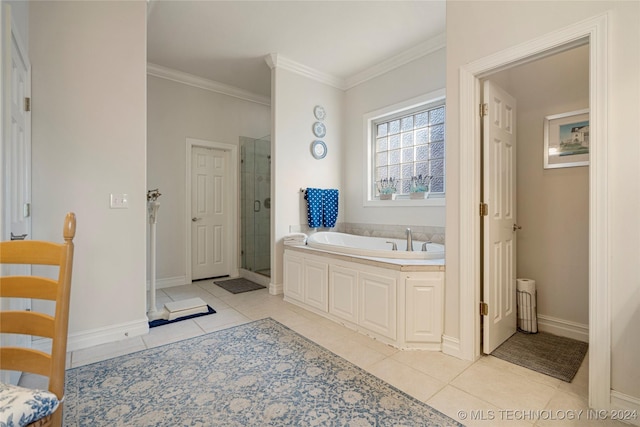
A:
(488, 392)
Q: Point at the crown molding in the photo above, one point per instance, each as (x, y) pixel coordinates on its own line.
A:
(206, 84)
(276, 60)
(425, 48)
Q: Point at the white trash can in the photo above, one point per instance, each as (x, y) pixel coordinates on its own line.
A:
(526, 305)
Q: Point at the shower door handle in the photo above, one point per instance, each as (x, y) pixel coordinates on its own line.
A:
(256, 205)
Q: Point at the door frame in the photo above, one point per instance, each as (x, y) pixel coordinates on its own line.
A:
(232, 198)
(594, 32)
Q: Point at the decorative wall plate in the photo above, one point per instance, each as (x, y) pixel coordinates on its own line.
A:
(318, 149)
(319, 129)
(319, 112)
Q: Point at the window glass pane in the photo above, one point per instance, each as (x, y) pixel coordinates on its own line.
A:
(436, 116)
(422, 168)
(421, 119)
(406, 123)
(381, 173)
(394, 172)
(437, 184)
(436, 133)
(422, 153)
(407, 171)
(407, 155)
(405, 186)
(394, 142)
(382, 129)
(422, 136)
(394, 157)
(382, 159)
(407, 139)
(381, 144)
(437, 150)
(394, 126)
(437, 167)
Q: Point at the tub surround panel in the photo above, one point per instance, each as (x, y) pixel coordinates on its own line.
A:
(399, 302)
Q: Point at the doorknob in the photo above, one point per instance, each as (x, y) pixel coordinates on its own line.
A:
(194, 219)
(18, 237)
(516, 227)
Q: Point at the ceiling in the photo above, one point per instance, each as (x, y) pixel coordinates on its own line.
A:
(227, 41)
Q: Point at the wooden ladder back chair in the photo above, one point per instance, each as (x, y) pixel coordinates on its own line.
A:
(37, 324)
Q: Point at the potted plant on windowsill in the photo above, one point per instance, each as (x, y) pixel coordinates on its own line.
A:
(387, 188)
(419, 187)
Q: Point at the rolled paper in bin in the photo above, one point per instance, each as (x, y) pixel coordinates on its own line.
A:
(526, 302)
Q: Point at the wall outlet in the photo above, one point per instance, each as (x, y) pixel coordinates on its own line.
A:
(119, 201)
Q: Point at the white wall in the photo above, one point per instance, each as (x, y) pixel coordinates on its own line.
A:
(89, 140)
(175, 112)
(477, 29)
(293, 167)
(419, 77)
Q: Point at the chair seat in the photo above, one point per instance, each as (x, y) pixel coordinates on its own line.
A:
(20, 406)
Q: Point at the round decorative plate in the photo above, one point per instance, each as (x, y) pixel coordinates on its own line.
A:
(319, 112)
(318, 149)
(319, 129)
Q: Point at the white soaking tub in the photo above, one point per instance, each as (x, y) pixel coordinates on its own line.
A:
(378, 247)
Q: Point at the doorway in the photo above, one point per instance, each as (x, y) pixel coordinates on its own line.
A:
(595, 32)
(255, 196)
(211, 227)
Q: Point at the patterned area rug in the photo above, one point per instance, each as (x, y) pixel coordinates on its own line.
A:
(549, 354)
(257, 374)
(237, 286)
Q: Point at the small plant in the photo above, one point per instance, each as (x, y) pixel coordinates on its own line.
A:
(387, 186)
(420, 183)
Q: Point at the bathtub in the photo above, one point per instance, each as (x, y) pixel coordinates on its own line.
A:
(377, 247)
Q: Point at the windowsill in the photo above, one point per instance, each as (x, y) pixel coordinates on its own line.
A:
(405, 201)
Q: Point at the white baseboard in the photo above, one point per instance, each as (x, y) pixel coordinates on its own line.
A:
(111, 333)
(563, 328)
(451, 346)
(276, 288)
(168, 282)
(625, 408)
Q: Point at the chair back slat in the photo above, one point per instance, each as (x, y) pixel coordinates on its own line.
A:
(26, 360)
(27, 323)
(33, 287)
(30, 252)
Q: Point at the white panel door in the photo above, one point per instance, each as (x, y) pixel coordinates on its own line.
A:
(499, 148)
(16, 146)
(209, 213)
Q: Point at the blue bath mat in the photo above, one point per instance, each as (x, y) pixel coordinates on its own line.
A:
(160, 322)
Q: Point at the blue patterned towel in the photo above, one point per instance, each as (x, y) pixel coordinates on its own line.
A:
(329, 208)
(314, 207)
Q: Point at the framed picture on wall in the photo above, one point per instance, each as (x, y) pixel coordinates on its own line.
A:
(566, 139)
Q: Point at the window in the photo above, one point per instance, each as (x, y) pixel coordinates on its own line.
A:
(408, 143)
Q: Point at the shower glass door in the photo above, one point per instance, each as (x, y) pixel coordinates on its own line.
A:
(256, 204)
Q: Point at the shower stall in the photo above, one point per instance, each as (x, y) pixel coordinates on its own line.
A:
(255, 194)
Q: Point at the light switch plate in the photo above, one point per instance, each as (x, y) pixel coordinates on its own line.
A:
(119, 201)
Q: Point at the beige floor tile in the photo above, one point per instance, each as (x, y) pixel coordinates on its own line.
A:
(106, 351)
(470, 410)
(503, 387)
(413, 382)
(355, 352)
(222, 319)
(434, 363)
(568, 409)
(520, 370)
(172, 332)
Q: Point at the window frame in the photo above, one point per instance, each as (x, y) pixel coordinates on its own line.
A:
(400, 109)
